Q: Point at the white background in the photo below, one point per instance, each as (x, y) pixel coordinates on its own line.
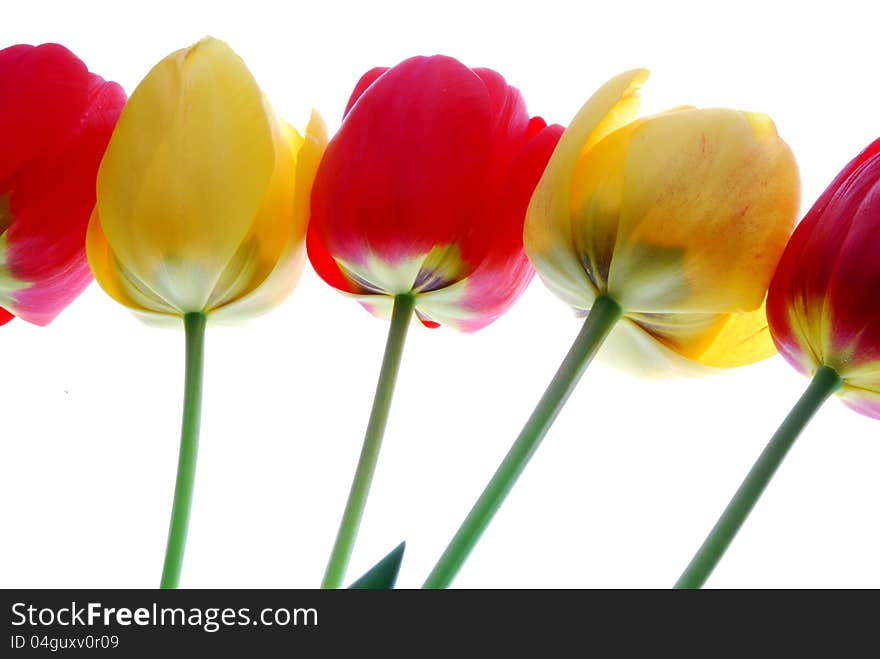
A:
(633, 474)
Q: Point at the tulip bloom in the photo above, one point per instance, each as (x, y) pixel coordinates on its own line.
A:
(664, 232)
(822, 306)
(202, 194)
(55, 121)
(418, 206)
(423, 191)
(680, 218)
(823, 316)
(202, 208)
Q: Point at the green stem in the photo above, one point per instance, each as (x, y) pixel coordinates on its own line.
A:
(194, 324)
(825, 382)
(363, 477)
(601, 319)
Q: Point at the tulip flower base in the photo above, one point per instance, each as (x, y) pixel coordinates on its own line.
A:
(825, 382)
(357, 499)
(194, 323)
(603, 315)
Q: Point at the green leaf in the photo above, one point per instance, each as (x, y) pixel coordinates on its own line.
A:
(383, 575)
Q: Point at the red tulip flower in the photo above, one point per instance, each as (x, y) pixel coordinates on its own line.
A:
(823, 305)
(424, 190)
(418, 206)
(55, 121)
(824, 316)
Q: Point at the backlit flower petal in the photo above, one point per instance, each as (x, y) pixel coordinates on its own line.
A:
(822, 306)
(423, 190)
(186, 172)
(548, 228)
(679, 217)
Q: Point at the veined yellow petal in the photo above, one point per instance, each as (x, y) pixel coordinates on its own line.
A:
(307, 152)
(547, 233)
(709, 201)
(185, 172)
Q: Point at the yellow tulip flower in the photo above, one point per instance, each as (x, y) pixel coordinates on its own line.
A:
(202, 208)
(664, 232)
(679, 217)
(203, 193)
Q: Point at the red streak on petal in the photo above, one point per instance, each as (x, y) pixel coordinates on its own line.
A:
(427, 322)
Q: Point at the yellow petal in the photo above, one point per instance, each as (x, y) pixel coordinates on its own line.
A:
(744, 339)
(270, 231)
(185, 172)
(717, 340)
(118, 282)
(709, 200)
(548, 234)
(277, 284)
(631, 349)
(596, 196)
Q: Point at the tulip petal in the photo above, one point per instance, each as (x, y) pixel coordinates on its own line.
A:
(366, 80)
(413, 194)
(548, 230)
(743, 339)
(825, 248)
(863, 401)
(436, 188)
(44, 91)
(506, 272)
(852, 336)
(117, 281)
(278, 284)
(5, 316)
(53, 199)
(186, 172)
(698, 186)
(271, 229)
(630, 348)
(689, 344)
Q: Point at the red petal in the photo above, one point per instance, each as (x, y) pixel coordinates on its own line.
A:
(44, 91)
(407, 169)
(51, 203)
(431, 154)
(503, 276)
(829, 243)
(324, 263)
(5, 316)
(427, 322)
(366, 80)
(852, 288)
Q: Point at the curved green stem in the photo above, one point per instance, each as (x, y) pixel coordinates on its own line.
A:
(194, 323)
(363, 477)
(825, 382)
(601, 319)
